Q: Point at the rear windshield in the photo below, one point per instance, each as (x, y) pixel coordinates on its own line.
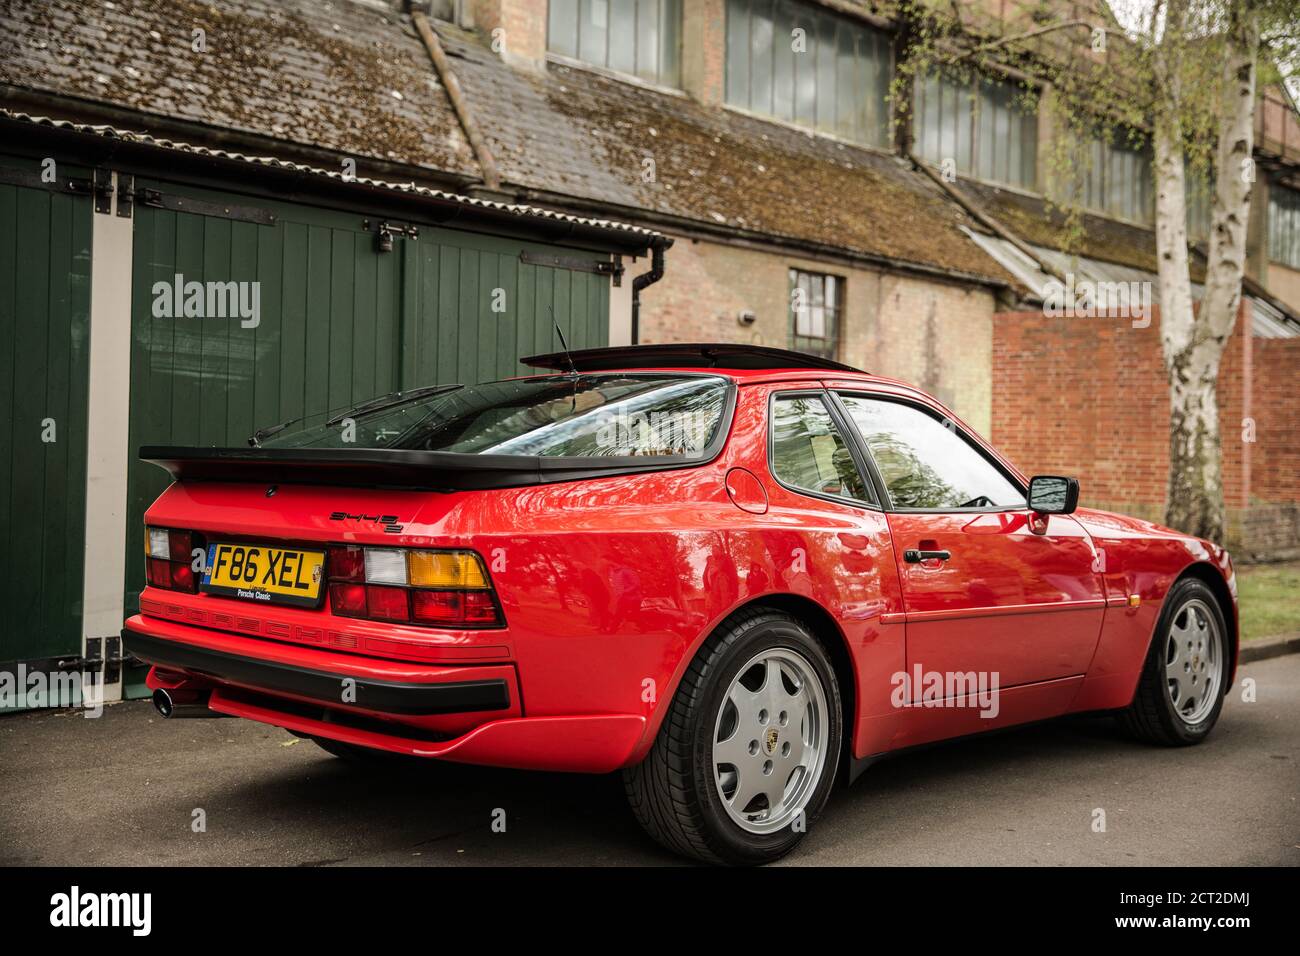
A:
(601, 415)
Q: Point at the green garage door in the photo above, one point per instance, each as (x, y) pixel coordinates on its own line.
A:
(340, 321)
(44, 329)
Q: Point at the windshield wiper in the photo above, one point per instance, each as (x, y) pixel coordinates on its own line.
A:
(388, 401)
(374, 404)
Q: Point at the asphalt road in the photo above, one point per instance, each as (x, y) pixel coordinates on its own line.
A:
(123, 789)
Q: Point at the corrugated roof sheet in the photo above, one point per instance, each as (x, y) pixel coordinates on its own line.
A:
(1113, 281)
(274, 162)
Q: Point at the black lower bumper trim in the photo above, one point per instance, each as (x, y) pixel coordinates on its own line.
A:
(459, 697)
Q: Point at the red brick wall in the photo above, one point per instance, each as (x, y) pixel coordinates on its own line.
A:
(1087, 397)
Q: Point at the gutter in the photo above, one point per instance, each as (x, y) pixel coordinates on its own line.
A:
(750, 238)
(450, 82)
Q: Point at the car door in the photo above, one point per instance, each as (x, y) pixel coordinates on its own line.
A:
(987, 584)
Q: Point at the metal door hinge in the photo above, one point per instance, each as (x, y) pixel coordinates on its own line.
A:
(601, 267)
(125, 195)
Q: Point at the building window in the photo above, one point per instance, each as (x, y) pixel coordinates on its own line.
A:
(639, 37)
(816, 303)
(1116, 180)
(802, 64)
(1284, 225)
(989, 132)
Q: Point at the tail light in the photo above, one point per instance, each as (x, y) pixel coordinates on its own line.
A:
(436, 588)
(168, 556)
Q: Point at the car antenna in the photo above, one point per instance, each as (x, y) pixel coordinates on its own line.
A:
(563, 344)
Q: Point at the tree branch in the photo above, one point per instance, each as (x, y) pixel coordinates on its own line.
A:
(1030, 34)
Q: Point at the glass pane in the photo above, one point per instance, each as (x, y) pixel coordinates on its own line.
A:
(931, 117)
(738, 53)
(562, 32)
(670, 46)
(987, 136)
(600, 414)
(962, 123)
(1029, 151)
(808, 451)
(783, 66)
(593, 31)
(760, 57)
(848, 95)
(623, 35)
(1001, 133)
(925, 464)
(826, 74)
(805, 73)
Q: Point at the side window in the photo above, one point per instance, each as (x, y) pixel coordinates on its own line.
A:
(925, 464)
(808, 451)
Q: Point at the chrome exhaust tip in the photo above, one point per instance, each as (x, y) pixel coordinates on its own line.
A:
(175, 704)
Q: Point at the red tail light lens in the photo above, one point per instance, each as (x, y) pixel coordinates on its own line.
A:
(454, 607)
(438, 607)
(159, 572)
(447, 588)
(168, 557)
(347, 563)
(183, 578)
(348, 600)
(181, 545)
(388, 604)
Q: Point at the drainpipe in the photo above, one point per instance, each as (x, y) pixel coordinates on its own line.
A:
(450, 82)
(650, 277)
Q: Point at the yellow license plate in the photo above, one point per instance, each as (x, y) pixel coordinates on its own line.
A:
(256, 572)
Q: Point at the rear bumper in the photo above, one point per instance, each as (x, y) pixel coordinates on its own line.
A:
(375, 696)
(466, 713)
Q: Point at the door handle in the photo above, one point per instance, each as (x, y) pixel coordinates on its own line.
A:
(913, 556)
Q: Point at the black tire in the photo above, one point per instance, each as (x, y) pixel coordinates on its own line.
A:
(1152, 717)
(673, 792)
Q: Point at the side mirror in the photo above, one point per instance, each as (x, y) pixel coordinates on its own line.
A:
(1053, 495)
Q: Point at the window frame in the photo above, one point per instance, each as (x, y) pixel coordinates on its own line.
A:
(661, 82)
(836, 313)
(813, 14)
(866, 469)
(1282, 247)
(978, 446)
(979, 139)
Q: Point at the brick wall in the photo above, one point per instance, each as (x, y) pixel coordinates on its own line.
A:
(933, 334)
(523, 22)
(1087, 397)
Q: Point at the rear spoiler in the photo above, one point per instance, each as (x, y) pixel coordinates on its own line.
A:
(393, 468)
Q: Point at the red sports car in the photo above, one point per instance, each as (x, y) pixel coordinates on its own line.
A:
(736, 574)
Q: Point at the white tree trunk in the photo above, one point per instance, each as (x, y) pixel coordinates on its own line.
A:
(1193, 347)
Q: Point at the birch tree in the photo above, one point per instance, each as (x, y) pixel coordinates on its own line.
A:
(1184, 75)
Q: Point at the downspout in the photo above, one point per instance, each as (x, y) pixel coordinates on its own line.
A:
(650, 277)
(450, 82)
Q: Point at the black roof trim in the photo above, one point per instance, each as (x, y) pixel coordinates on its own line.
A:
(677, 355)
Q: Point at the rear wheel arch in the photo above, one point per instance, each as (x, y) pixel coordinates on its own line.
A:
(821, 623)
